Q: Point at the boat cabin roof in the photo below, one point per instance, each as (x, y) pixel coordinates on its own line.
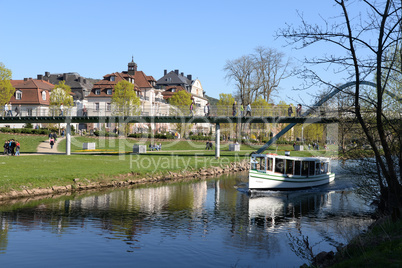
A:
(296, 158)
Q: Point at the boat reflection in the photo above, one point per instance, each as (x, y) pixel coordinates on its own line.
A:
(271, 209)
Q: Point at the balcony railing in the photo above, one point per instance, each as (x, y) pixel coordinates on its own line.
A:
(165, 110)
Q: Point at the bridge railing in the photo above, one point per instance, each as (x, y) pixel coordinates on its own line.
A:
(164, 110)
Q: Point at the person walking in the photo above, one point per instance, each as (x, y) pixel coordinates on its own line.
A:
(192, 109)
(298, 110)
(61, 109)
(206, 109)
(12, 147)
(17, 148)
(290, 110)
(8, 108)
(51, 143)
(241, 110)
(248, 110)
(234, 112)
(5, 146)
(17, 110)
(84, 111)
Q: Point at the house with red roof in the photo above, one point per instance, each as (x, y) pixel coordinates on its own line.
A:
(100, 97)
(31, 98)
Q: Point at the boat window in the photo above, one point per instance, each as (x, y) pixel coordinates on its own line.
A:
(297, 167)
(323, 168)
(304, 168)
(317, 168)
(270, 164)
(311, 168)
(262, 163)
(279, 165)
(289, 167)
(253, 163)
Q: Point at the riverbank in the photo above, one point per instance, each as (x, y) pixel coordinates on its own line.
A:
(379, 246)
(59, 185)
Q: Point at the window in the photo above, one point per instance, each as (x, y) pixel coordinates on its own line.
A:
(97, 106)
(43, 95)
(97, 91)
(289, 167)
(109, 91)
(279, 166)
(108, 107)
(112, 78)
(18, 95)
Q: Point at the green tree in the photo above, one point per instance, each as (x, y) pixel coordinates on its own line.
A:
(180, 105)
(125, 102)
(224, 108)
(261, 108)
(60, 95)
(6, 89)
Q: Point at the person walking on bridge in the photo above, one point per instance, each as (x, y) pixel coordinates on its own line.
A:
(248, 110)
(234, 112)
(290, 110)
(206, 109)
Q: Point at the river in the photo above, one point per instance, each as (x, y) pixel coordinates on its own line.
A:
(208, 223)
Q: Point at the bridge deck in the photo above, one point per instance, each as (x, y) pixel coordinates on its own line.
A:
(165, 119)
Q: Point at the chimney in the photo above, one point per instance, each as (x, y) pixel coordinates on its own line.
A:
(65, 77)
(79, 79)
(85, 81)
(40, 77)
(47, 74)
(190, 77)
(164, 72)
(25, 79)
(177, 72)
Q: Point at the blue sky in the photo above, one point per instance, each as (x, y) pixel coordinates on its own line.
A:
(95, 38)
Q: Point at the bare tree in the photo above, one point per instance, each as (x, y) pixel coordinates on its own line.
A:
(366, 39)
(270, 69)
(257, 74)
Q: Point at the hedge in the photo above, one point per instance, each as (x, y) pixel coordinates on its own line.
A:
(41, 131)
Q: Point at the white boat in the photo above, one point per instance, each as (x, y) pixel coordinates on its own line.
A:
(272, 171)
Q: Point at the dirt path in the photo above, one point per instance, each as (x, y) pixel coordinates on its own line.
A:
(44, 147)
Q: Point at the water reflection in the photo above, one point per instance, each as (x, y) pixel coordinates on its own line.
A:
(209, 222)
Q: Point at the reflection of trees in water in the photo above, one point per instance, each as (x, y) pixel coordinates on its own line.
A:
(334, 216)
(3, 234)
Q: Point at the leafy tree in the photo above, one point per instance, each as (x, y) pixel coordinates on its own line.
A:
(59, 95)
(180, 105)
(6, 89)
(224, 108)
(261, 108)
(125, 102)
(369, 42)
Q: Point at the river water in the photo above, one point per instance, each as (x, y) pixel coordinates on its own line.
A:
(212, 223)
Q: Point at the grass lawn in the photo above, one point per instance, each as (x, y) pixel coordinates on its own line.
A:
(33, 171)
(29, 143)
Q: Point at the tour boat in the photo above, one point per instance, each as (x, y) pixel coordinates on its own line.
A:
(272, 171)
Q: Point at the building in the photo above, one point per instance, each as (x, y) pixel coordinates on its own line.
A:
(31, 98)
(152, 102)
(174, 81)
(80, 86)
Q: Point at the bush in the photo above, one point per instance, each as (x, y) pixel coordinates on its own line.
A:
(25, 131)
(104, 134)
(200, 138)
